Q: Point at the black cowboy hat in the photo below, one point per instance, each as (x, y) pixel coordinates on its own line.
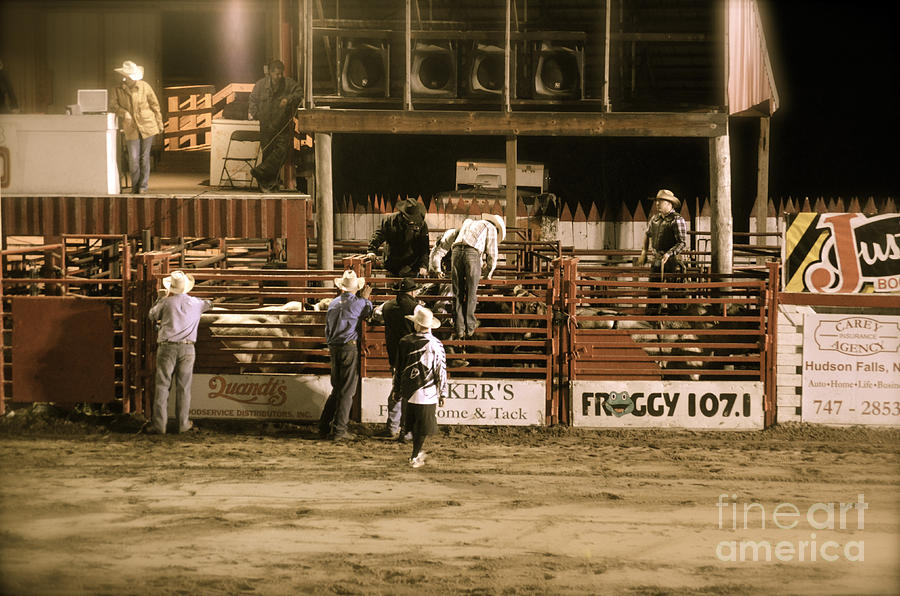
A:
(412, 209)
(407, 284)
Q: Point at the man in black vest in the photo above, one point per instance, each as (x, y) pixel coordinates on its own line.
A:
(665, 240)
(396, 326)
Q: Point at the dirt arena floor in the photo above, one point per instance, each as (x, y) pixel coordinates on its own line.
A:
(90, 506)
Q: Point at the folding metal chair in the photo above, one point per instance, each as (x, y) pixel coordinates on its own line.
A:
(240, 156)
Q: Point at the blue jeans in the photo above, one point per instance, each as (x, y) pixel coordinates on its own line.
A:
(466, 267)
(344, 380)
(173, 362)
(395, 412)
(139, 163)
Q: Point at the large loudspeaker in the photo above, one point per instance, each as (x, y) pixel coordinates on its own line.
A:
(434, 70)
(485, 69)
(364, 68)
(558, 70)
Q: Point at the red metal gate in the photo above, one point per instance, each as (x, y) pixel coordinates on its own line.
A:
(712, 327)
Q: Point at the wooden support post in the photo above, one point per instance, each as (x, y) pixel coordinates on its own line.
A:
(307, 55)
(720, 202)
(324, 202)
(762, 185)
(606, 44)
(297, 213)
(507, 79)
(512, 161)
(407, 34)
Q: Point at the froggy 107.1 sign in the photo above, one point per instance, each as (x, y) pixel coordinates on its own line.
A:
(851, 369)
(667, 404)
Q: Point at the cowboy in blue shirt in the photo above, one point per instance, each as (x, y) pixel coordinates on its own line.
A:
(178, 315)
(342, 323)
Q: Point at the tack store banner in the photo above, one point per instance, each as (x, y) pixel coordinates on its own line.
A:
(276, 397)
(842, 253)
(499, 402)
(667, 404)
(851, 369)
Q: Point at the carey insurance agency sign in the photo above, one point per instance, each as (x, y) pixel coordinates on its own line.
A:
(499, 402)
(851, 369)
(842, 253)
(667, 404)
(275, 397)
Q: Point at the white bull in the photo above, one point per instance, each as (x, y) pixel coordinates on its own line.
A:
(260, 335)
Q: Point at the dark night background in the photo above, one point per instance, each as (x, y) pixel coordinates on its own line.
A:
(834, 134)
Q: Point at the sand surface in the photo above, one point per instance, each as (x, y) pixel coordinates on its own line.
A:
(90, 506)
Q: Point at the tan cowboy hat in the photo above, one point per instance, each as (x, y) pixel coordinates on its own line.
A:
(424, 317)
(667, 195)
(131, 70)
(349, 282)
(498, 222)
(179, 282)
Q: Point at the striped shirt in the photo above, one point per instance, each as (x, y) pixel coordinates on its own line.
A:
(481, 235)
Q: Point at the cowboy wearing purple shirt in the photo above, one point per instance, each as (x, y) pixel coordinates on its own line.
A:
(178, 316)
(342, 323)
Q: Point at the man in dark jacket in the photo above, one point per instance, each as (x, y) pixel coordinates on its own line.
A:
(405, 238)
(397, 325)
(273, 101)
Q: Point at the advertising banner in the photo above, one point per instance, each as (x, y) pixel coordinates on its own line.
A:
(667, 404)
(842, 253)
(280, 397)
(851, 369)
(499, 402)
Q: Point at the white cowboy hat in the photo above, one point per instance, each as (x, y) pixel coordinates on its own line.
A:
(424, 317)
(349, 282)
(498, 223)
(179, 282)
(131, 70)
(667, 195)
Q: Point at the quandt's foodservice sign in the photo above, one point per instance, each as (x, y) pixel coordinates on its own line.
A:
(496, 402)
(667, 404)
(277, 397)
(851, 369)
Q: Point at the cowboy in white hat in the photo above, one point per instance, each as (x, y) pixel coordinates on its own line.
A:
(140, 119)
(477, 239)
(666, 238)
(342, 322)
(404, 235)
(420, 380)
(177, 315)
